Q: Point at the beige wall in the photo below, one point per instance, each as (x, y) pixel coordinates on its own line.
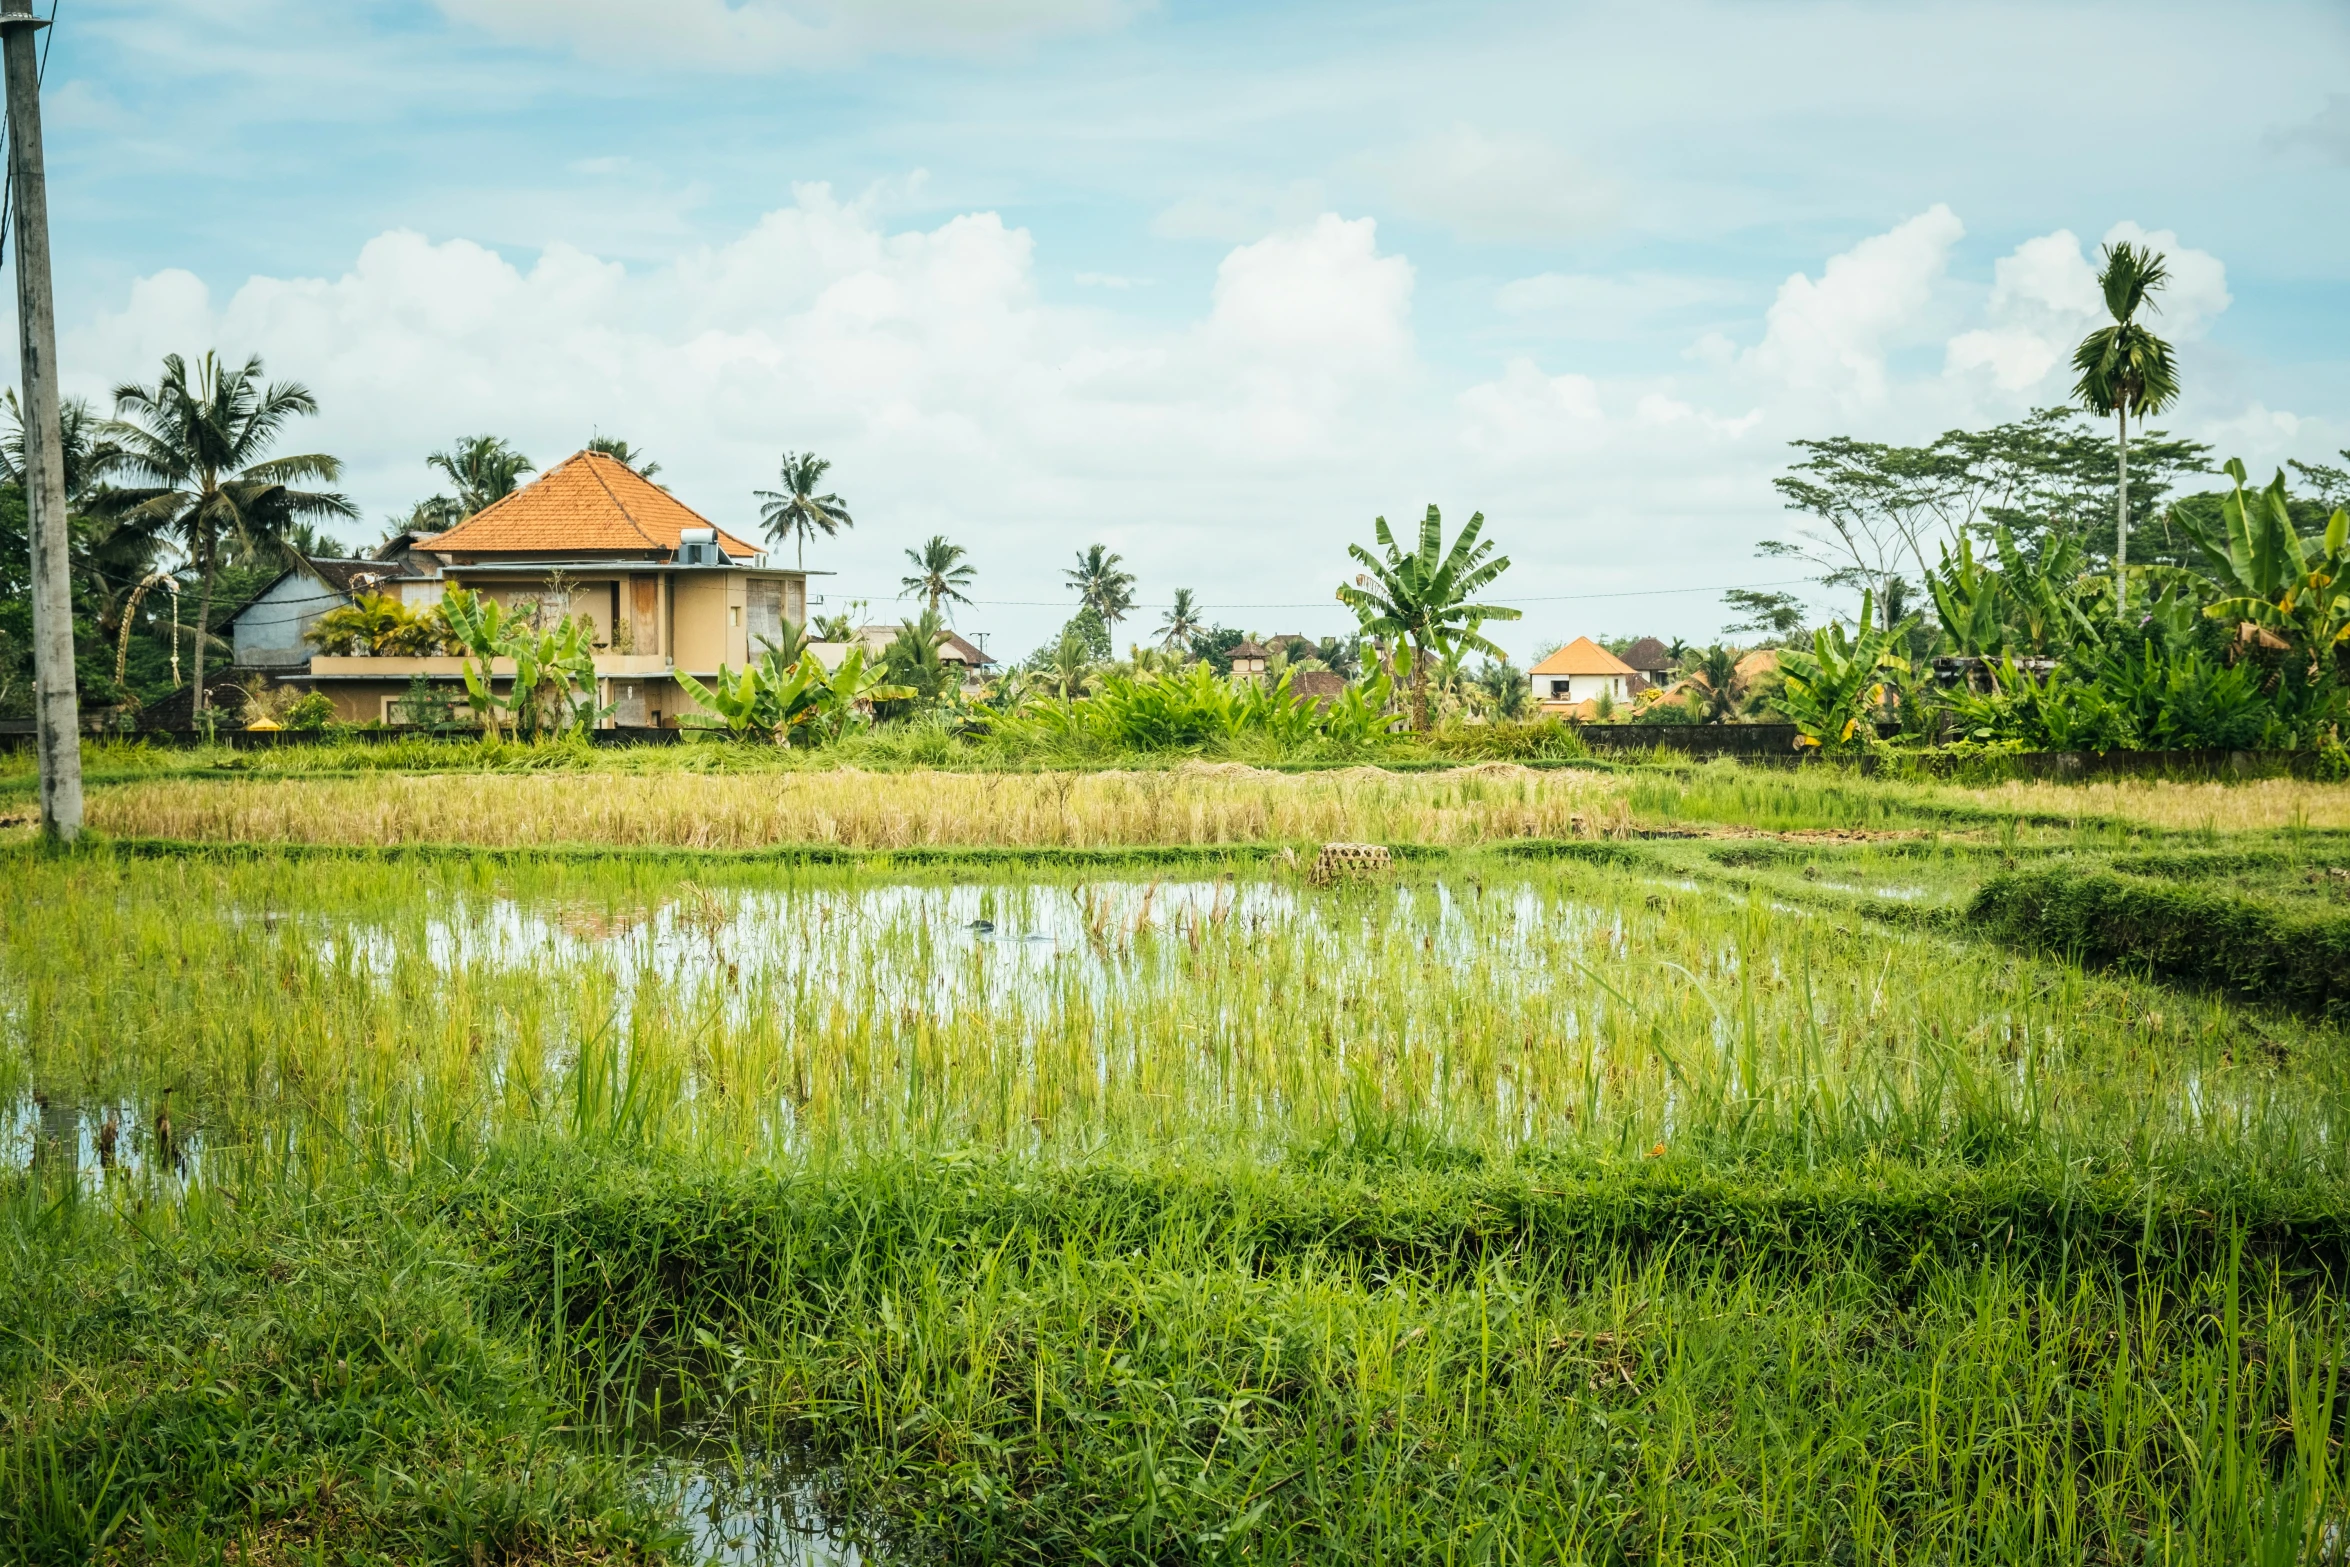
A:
(698, 621)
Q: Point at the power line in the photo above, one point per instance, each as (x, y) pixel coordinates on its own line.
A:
(1554, 598)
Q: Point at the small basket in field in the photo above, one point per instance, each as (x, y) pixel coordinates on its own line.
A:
(1348, 861)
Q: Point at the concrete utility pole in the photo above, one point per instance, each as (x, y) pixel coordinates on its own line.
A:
(56, 702)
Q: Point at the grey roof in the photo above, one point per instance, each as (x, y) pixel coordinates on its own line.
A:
(1648, 655)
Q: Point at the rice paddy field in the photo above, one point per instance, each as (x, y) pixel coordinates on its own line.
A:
(1651, 1165)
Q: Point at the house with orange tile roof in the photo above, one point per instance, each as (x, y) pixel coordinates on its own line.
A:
(664, 589)
(1570, 682)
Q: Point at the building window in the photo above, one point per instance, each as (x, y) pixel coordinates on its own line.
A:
(734, 614)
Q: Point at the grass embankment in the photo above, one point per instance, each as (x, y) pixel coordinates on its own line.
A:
(1191, 804)
(1520, 1211)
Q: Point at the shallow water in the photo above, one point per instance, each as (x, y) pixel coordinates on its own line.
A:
(745, 1511)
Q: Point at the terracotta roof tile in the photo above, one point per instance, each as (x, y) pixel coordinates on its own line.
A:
(589, 503)
(1582, 657)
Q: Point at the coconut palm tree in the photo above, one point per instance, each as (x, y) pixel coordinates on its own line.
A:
(796, 511)
(2126, 369)
(1718, 684)
(1183, 621)
(484, 468)
(1422, 598)
(1106, 590)
(199, 437)
(940, 574)
(624, 454)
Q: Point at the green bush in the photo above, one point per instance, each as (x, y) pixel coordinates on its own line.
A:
(2246, 946)
(315, 711)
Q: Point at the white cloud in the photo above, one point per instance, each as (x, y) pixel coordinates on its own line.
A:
(950, 398)
(1831, 334)
(1505, 185)
(2044, 300)
(2198, 286)
(1241, 213)
(1234, 452)
(1584, 306)
(751, 35)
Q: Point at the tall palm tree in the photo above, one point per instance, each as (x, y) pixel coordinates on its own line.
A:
(796, 511)
(2126, 369)
(620, 451)
(940, 573)
(1183, 622)
(1423, 598)
(485, 469)
(199, 438)
(1101, 586)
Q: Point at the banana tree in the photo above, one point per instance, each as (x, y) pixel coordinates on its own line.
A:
(2269, 576)
(2037, 594)
(554, 680)
(1966, 597)
(732, 702)
(1832, 693)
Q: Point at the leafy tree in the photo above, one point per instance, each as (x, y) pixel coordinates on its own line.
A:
(1091, 634)
(2125, 369)
(1506, 691)
(1183, 624)
(911, 659)
(379, 625)
(1882, 513)
(1833, 692)
(1718, 685)
(1775, 616)
(199, 440)
(1068, 666)
(2269, 578)
(798, 511)
(1423, 598)
(484, 468)
(1101, 585)
(2331, 485)
(554, 683)
(940, 573)
(624, 454)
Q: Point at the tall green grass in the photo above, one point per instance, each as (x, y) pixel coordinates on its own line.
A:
(1646, 1206)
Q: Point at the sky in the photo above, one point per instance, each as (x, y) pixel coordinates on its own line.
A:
(1211, 284)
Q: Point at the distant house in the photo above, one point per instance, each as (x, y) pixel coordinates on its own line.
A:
(1318, 686)
(1651, 662)
(266, 632)
(955, 652)
(1571, 681)
(1250, 658)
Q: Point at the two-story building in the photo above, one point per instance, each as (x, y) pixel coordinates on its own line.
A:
(664, 589)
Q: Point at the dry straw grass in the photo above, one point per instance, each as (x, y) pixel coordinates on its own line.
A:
(2225, 807)
(1196, 805)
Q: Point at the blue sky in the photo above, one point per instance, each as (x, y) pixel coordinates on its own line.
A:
(1210, 283)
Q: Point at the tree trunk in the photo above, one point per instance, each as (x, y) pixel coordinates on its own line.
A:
(203, 619)
(2121, 512)
(1419, 688)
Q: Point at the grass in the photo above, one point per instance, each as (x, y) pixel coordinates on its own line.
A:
(1718, 1195)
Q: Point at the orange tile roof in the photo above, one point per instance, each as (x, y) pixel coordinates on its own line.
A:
(589, 503)
(1582, 657)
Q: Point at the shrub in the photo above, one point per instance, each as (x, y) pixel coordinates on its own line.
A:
(2246, 946)
(314, 711)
